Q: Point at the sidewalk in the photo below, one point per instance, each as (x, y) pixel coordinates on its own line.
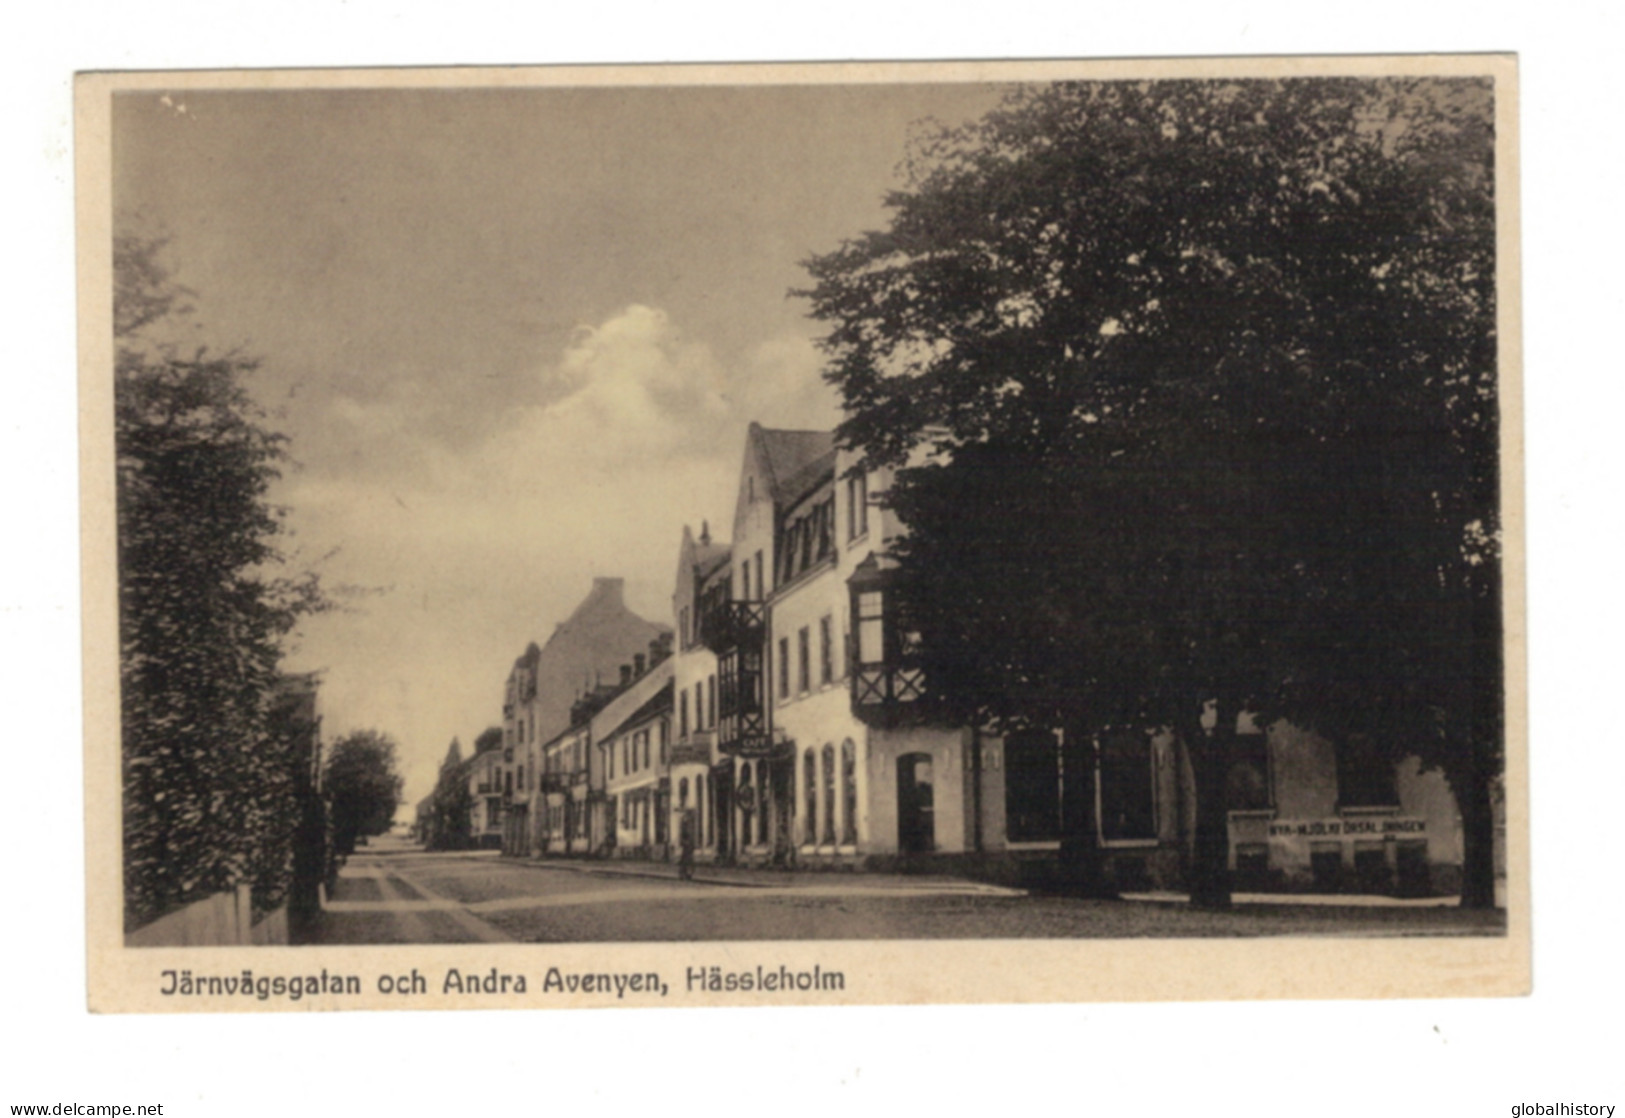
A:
(1313, 900)
(811, 881)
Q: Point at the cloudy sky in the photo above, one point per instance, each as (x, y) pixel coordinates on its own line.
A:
(515, 337)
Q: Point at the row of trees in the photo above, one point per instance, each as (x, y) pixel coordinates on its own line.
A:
(219, 759)
(1191, 391)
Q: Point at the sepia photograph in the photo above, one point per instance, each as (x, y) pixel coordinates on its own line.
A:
(772, 534)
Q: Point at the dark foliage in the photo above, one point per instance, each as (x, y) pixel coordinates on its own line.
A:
(363, 787)
(210, 771)
(1190, 389)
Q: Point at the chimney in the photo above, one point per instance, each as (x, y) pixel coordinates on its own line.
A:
(626, 674)
(607, 594)
(637, 665)
(705, 532)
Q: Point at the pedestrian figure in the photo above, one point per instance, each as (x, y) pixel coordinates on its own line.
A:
(685, 856)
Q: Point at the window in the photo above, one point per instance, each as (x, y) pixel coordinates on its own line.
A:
(804, 646)
(744, 581)
(1247, 778)
(682, 626)
(784, 667)
(871, 627)
(809, 791)
(682, 714)
(761, 577)
(644, 734)
(665, 739)
(1127, 794)
(849, 793)
(1032, 787)
(682, 794)
(711, 700)
(829, 795)
(826, 650)
(857, 506)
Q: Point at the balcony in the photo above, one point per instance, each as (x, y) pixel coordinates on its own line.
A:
(889, 694)
(741, 711)
(552, 782)
(727, 625)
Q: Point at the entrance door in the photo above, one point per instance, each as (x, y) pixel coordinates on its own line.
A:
(722, 785)
(916, 826)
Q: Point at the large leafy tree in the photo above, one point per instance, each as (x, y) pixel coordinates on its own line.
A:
(363, 787)
(205, 600)
(1190, 391)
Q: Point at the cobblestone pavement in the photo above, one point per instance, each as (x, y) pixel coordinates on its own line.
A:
(393, 893)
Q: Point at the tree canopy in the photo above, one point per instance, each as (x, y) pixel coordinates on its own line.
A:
(205, 601)
(362, 786)
(1190, 390)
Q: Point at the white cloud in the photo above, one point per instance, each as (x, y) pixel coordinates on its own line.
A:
(484, 549)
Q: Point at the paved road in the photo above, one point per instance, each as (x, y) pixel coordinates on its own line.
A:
(395, 893)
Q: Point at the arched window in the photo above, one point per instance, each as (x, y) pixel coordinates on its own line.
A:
(745, 801)
(809, 796)
(849, 792)
(829, 794)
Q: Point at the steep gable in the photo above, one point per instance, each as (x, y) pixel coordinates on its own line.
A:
(586, 649)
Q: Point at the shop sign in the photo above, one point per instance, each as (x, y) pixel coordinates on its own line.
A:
(1381, 827)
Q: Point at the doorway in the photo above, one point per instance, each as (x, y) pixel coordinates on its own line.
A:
(916, 824)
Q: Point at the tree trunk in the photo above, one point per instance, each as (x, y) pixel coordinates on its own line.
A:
(1473, 798)
(1082, 865)
(1210, 852)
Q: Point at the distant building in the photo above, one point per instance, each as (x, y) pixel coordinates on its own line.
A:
(598, 639)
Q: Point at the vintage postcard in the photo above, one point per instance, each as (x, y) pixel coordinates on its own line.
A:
(815, 534)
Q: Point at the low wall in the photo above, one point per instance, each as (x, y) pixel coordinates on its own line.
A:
(222, 920)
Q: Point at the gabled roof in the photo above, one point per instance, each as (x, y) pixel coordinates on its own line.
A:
(657, 703)
(708, 561)
(786, 455)
(814, 474)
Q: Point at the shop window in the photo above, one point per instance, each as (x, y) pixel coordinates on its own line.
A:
(1326, 864)
(1252, 866)
(1127, 791)
(1411, 864)
(1032, 787)
(1247, 778)
(1371, 868)
(1365, 774)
